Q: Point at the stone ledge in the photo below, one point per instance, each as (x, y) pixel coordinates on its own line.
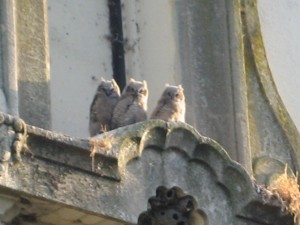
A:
(128, 168)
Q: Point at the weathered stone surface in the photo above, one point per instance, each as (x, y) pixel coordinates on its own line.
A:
(31, 30)
(173, 207)
(8, 208)
(259, 213)
(243, 111)
(205, 41)
(8, 71)
(13, 140)
(138, 159)
(237, 98)
(272, 133)
(25, 210)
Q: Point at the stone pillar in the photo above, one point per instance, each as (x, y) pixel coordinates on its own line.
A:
(33, 62)
(8, 72)
(24, 64)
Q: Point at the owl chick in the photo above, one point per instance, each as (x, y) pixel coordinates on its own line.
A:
(105, 99)
(132, 106)
(171, 105)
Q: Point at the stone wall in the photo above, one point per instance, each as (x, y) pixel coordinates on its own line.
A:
(231, 99)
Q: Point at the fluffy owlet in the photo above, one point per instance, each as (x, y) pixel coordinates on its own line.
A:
(105, 99)
(171, 105)
(132, 106)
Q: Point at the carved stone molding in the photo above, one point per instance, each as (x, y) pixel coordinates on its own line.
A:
(13, 141)
(124, 166)
(272, 133)
(173, 207)
(239, 100)
(115, 173)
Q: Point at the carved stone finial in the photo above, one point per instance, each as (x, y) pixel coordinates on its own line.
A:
(170, 207)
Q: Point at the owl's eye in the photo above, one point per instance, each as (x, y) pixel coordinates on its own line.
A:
(142, 91)
(176, 95)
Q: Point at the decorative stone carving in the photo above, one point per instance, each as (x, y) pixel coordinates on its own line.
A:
(171, 207)
(13, 136)
(138, 158)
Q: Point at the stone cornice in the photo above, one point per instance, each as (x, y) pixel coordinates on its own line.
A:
(60, 168)
(125, 165)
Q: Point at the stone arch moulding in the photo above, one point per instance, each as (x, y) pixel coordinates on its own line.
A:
(175, 154)
(280, 140)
